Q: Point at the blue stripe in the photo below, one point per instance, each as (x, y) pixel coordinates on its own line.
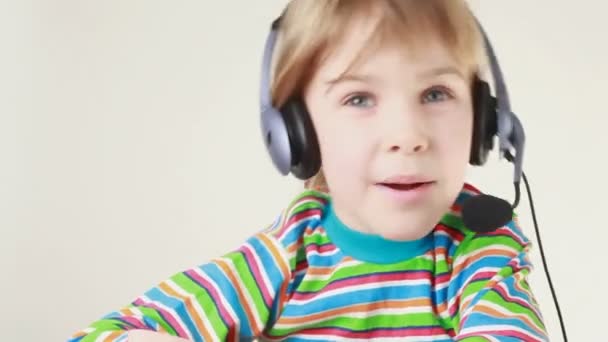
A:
(364, 296)
(269, 264)
(478, 319)
(229, 292)
(297, 230)
(158, 296)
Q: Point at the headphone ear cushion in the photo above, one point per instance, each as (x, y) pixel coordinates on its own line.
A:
(306, 155)
(484, 122)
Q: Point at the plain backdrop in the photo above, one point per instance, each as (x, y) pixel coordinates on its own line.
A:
(130, 149)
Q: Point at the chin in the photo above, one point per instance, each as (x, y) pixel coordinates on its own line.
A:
(405, 235)
(403, 228)
(404, 225)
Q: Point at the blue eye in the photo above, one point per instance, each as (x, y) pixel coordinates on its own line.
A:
(436, 95)
(360, 101)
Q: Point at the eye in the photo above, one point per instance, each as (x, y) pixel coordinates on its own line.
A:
(436, 94)
(359, 100)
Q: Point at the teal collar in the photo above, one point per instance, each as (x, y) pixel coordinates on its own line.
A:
(368, 247)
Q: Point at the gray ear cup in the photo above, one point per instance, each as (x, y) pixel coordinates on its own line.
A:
(274, 130)
(288, 133)
(276, 139)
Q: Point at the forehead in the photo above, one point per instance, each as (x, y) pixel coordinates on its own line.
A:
(366, 46)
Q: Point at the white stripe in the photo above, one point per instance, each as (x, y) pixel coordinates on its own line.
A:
(357, 314)
(200, 314)
(341, 266)
(472, 255)
(121, 337)
(103, 336)
(387, 339)
(257, 324)
(222, 299)
(507, 313)
(170, 310)
(354, 288)
(331, 252)
(260, 266)
(479, 330)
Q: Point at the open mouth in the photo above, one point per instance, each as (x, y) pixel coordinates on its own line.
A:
(404, 186)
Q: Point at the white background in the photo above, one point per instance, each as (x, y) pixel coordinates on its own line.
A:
(130, 149)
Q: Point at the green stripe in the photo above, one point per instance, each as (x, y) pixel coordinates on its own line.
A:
(380, 321)
(247, 279)
(204, 300)
(418, 264)
(495, 298)
(384, 321)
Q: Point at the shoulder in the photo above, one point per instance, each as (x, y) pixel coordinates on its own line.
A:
(463, 243)
(303, 213)
(486, 254)
(509, 236)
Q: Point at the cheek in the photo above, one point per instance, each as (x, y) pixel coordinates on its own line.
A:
(343, 147)
(455, 137)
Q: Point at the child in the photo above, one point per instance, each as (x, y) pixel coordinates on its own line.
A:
(374, 248)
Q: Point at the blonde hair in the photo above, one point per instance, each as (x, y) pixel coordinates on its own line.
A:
(310, 28)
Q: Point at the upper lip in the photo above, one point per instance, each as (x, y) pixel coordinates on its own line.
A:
(406, 179)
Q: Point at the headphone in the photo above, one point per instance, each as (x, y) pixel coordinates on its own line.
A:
(291, 141)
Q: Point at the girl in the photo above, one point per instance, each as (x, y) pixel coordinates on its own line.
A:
(375, 248)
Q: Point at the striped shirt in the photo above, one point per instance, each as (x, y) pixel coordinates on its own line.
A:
(308, 277)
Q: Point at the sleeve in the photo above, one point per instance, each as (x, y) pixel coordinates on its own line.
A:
(494, 301)
(230, 298)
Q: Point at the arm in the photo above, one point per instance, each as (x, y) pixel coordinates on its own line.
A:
(229, 298)
(494, 300)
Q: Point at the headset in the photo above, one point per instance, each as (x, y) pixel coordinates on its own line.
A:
(292, 144)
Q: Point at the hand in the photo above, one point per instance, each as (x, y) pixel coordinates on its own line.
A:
(151, 336)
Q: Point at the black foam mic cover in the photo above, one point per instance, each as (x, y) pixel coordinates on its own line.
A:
(485, 213)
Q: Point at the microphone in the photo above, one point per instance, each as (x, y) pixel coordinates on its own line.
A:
(485, 213)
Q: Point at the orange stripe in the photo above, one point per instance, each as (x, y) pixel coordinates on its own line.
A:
(277, 255)
(458, 269)
(493, 312)
(130, 313)
(283, 266)
(241, 294)
(357, 308)
(442, 251)
(319, 271)
(488, 252)
(292, 248)
(190, 308)
(113, 336)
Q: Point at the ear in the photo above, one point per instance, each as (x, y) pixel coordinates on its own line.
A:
(305, 150)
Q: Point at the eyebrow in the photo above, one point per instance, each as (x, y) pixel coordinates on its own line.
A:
(363, 78)
(446, 70)
(349, 78)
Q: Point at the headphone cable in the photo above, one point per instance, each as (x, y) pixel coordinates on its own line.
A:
(542, 255)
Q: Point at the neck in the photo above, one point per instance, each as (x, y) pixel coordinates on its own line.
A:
(369, 247)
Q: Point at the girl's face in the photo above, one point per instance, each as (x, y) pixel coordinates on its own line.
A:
(395, 134)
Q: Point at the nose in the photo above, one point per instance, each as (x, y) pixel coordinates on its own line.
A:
(406, 132)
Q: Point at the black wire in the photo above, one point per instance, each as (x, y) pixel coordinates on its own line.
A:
(542, 255)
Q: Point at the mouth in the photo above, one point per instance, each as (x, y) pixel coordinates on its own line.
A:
(404, 186)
